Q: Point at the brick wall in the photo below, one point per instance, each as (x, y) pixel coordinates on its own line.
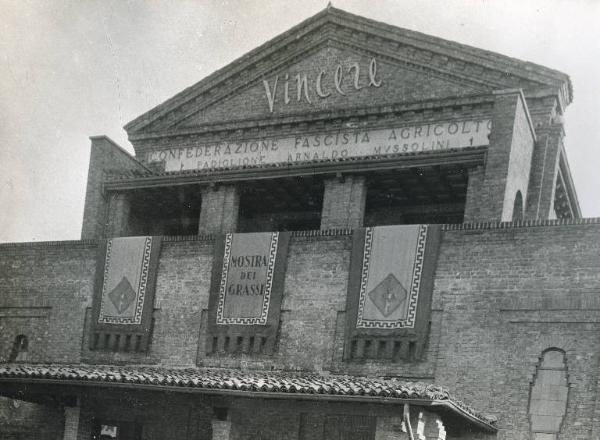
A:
(23, 420)
(519, 162)
(106, 159)
(502, 296)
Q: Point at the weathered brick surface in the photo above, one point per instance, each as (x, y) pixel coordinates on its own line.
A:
(30, 421)
(519, 162)
(220, 209)
(119, 222)
(544, 169)
(44, 291)
(344, 201)
(502, 296)
(106, 159)
(508, 161)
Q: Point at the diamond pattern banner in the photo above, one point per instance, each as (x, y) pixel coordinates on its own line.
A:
(391, 275)
(124, 296)
(389, 290)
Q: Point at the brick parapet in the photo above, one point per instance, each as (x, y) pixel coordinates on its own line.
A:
(37, 245)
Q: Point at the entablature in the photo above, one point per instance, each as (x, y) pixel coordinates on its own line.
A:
(467, 157)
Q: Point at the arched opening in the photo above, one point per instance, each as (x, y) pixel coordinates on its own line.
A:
(19, 349)
(548, 396)
(518, 207)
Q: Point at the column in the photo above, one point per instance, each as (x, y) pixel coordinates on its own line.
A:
(344, 202)
(220, 209)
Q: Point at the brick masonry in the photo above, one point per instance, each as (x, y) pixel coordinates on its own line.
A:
(344, 201)
(106, 159)
(503, 294)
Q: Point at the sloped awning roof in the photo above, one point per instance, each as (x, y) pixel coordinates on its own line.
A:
(248, 383)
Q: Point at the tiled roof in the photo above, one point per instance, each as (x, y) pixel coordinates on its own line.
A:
(232, 381)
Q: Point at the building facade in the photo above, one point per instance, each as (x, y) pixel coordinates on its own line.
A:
(353, 231)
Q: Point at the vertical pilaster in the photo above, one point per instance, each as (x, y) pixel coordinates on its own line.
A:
(118, 218)
(508, 163)
(78, 424)
(540, 199)
(344, 202)
(106, 159)
(474, 186)
(220, 209)
(71, 422)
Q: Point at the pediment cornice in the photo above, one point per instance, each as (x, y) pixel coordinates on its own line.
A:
(456, 63)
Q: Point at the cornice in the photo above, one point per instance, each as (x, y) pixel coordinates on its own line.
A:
(354, 114)
(444, 53)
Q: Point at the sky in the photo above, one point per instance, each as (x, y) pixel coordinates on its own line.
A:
(72, 69)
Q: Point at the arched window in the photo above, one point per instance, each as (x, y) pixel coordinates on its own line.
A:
(548, 398)
(19, 349)
(518, 207)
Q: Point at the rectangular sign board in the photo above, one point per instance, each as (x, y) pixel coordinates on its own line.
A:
(329, 146)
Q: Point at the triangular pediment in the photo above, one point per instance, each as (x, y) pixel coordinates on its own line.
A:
(332, 77)
(336, 61)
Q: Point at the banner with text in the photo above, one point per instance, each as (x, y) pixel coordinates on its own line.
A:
(246, 291)
(325, 146)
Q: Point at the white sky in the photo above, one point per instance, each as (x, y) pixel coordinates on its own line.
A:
(76, 68)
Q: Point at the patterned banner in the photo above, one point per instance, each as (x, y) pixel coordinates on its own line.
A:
(125, 280)
(246, 292)
(124, 296)
(389, 291)
(247, 278)
(391, 276)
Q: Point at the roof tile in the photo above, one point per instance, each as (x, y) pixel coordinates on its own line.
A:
(221, 379)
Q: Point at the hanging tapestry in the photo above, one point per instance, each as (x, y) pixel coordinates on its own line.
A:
(389, 291)
(124, 293)
(246, 291)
